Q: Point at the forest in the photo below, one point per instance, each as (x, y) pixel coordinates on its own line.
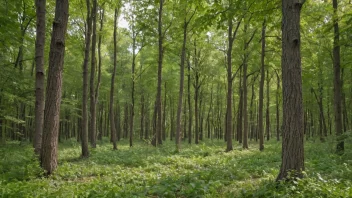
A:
(176, 98)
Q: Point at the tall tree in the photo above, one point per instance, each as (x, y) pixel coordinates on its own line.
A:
(53, 90)
(93, 106)
(261, 90)
(231, 36)
(337, 80)
(182, 75)
(39, 77)
(112, 120)
(84, 135)
(292, 140)
(160, 66)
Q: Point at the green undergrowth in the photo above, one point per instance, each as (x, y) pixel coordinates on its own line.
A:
(203, 170)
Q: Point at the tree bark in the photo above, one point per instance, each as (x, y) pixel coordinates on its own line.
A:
(93, 107)
(180, 96)
(39, 75)
(158, 140)
(261, 90)
(189, 102)
(53, 90)
(292, 141)
(84, 136)
(112, 90)
(337, 80)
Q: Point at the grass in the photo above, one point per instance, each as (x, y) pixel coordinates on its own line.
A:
(203, 170)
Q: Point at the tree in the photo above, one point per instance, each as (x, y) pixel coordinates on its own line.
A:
(261, 90)
(39, 83)
(337, 81)
(84, 135)
(112, 120)
(93, 119)
(182, 75)
(54, 86)
(231, 38)
(292, 140)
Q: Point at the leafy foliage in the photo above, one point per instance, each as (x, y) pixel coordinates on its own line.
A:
(203, 170)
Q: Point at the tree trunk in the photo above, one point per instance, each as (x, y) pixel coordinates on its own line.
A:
(112, 90)
(231, 38)
(261, 90)
(180, 96)
(277, 107)
(292, 140)
(160, 66)
(39, 77)
(189, 102)
(53, 90)
(93, 107)
(99, 68)
(337, 81)
(84, 136)
(267, 117)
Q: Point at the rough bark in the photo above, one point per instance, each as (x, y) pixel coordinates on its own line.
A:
(39, 75)
(267, 116)
(292, 140)
(53, 90)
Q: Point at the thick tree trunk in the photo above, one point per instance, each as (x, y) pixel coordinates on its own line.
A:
(261, 91)
(53, 90)
(93, 107)
(292, 140)
(39, 75)
(84, 135)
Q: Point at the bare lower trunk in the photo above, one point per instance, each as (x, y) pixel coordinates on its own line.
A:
(261, 91)
(39, 82)
(292, 140)
(84, 135)
(53, 91)
(112, 121)
(93, 107)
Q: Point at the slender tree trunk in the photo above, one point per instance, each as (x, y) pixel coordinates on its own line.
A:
(292, 140)
(39, 76)
(93, 107)
(112, 90)
(99, 69)
(84, 136)
(267, 117)
(337, 81)
(277, 107)
(180, 96)
(189, 102)
(231, 38)
(160, 66)
(53, 90)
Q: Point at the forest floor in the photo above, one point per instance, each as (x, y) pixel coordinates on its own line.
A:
(203, 170)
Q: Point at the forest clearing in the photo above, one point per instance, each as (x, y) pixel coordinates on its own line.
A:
(176, 98)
